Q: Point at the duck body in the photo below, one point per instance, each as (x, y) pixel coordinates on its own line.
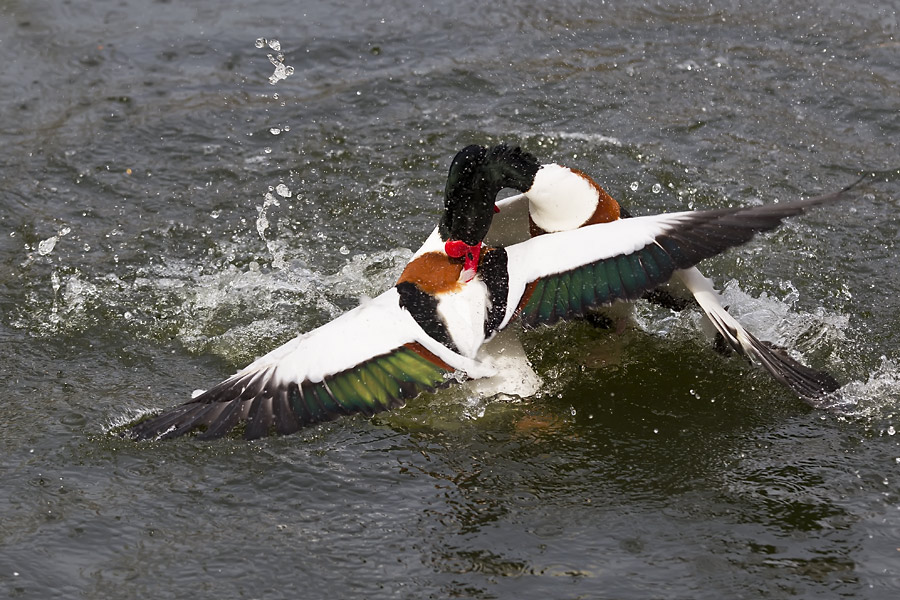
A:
(564, 199)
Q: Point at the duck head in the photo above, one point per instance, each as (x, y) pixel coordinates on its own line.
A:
(477, 174)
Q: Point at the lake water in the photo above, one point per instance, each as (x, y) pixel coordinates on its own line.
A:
(167, 214)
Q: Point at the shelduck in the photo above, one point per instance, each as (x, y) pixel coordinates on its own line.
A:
(562, 199)
(456, 293)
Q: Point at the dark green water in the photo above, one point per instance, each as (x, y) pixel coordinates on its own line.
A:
(140, 259)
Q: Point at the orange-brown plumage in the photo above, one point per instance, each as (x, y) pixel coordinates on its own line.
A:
(433, 273)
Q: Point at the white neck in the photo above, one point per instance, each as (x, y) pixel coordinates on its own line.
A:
(560, 199)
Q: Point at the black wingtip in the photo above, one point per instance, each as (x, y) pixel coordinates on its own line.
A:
(838, 195)
(814, 387)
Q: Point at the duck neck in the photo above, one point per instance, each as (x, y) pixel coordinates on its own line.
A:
(562, 199)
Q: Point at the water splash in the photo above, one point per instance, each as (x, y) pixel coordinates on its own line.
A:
(825, 333)
(276, 249)
(879, 391)
(220, 303)
(46, 246)
(262, 220)
(282, 71)
(776, 320)
(283, 190)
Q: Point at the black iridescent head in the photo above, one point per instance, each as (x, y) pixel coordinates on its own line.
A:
(477, 175)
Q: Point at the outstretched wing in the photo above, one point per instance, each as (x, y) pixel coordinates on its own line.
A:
(369, 359)
(562, 275)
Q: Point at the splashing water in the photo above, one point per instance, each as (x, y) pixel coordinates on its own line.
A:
(880, 390)
(283, 190)
(262, 221)
(45, 247)
(820, 331)
(275, 248)
(282, 71)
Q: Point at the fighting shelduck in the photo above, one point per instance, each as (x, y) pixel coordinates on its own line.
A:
(455, 294)
(562, 199)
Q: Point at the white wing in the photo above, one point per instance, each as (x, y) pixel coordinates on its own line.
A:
(561, 275)
(369, 359)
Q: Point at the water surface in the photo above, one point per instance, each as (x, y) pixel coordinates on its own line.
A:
(167, 214)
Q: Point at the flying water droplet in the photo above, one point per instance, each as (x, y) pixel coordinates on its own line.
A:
(656, 188)
(634, 186)
(45, 247)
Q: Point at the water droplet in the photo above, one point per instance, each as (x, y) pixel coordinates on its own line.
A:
(656, 188)
(283, 190)
(891, 430)
(634, 186)
(267, 150)
(45, 247)
(260, 42)
(274, 131)
(344, 250)
(275, 45)
(262, 223)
